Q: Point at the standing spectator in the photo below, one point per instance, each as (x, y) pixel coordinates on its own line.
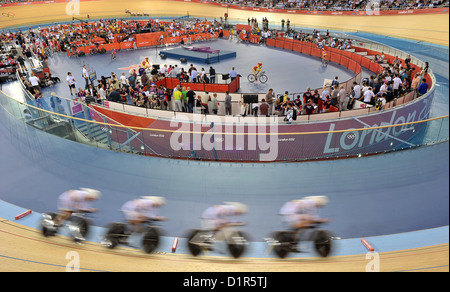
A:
(86, 77)
(264, 108)
(255, 107)
(325, 94)
(190, 96)
(205, 99)
(101, 94)
(212, 75)
(416, 81)
(368, 96)
(270, 98)
(177, 98)
(233, 74)
(71, 82)
(335, 82)
(397, 82)
(352, 98)
(215, 104)
(227, 103)
(307, 95)
(357, 89)
(194, 75)
(334, 96)
(343, 99)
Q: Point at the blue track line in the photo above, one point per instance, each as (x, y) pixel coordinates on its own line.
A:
(48, 264)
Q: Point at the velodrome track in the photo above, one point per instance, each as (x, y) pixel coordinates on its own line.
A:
(427, 28)
(23, 249)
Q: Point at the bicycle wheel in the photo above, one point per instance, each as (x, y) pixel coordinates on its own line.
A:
(115, 230)
(251, 78)
(263, 78)
(194, 249)
(237, 244)
(151, 240)
(80, 227)
(48, 223)
(283, 240)
(322, 242)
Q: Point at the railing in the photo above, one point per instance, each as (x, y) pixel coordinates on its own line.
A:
(256, 142)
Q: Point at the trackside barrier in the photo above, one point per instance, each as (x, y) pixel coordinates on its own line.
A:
(367, 245)
(190, 135)
(175, 244)
(21, 215)
(171, 83)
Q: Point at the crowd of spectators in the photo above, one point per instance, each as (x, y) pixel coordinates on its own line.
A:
(337, 5)
(396, 80)
(139, 86)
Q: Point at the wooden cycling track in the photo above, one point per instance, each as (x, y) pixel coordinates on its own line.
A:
(24, 249)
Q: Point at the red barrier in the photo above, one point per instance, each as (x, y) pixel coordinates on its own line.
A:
(297, 47)
(344, 61)
(306, 49)
(172, 40)
(357, 58)
(126, 45)
(374, 67)
(270, 42)
(352, 65)
(148, 39)
(316, 52)
(255, 39)
(365, 62)
(240, 27)
(288, 44)
(279, 43)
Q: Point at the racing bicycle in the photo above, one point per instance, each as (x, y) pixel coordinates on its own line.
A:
(118, 234)
(285, 242)
(201, 240)
(260, 76)
(77, 224)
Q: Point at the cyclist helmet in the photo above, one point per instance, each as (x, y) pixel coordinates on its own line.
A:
(240, 208)
(93, 194)
(157, 201)
(319, 200)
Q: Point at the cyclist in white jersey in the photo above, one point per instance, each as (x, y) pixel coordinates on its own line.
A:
(218, 216)
(303, 213)
(140, 210)
(75, 201)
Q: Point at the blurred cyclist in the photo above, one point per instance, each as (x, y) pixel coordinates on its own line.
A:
(300, 214)
(218, 217)
(76, 201)
(139, 211)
